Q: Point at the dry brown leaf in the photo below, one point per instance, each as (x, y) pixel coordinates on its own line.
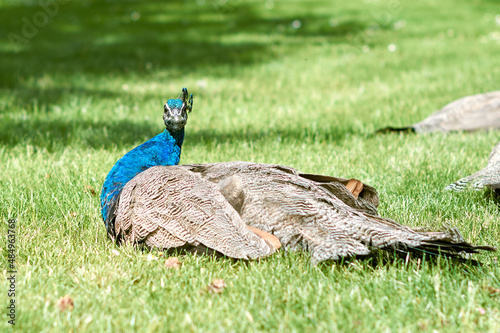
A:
(172, 262)
(493, 291)
(217, 286)
(65, 303)
(90, 190)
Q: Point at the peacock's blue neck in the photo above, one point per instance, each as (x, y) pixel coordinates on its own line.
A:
(163, 149)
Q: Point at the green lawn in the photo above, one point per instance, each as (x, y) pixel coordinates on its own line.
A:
(90, 83)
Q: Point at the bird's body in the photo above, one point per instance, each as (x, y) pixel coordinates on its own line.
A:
(318, 214)
(163, 149)
(470, 113)
(489, 176)
(171, 207)
(244, 210)
(143, 201)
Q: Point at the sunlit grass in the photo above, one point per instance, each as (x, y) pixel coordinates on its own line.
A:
(90, 86)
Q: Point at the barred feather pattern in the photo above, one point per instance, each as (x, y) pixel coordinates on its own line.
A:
(305, 214)
(470, 113)
(481, 111)
(489, 176)
(170, 207)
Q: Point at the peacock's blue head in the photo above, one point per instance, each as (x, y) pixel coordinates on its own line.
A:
(175, 111)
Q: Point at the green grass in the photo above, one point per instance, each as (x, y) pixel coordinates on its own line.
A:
(90, 86)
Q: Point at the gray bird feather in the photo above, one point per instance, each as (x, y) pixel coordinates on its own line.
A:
(319, 216)
(170, 207)
(470, 113)
(209, 206)
(489, 176)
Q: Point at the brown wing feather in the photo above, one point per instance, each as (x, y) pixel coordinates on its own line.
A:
(303, 214)
(469, 113)
(169, 207)
(367, 200)
(481, 111)
(489, 176)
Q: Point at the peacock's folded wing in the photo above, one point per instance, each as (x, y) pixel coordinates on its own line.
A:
(169, 207)
(367, 200)
(303, 214)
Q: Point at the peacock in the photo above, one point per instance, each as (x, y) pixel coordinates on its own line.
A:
(489, 176)
(470, 113)
(163, 149)
(247, 210)
(172, 209)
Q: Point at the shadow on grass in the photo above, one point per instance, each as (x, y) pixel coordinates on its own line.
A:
(413, 259)
(117, 39)
(120, 38)
(377, 260)
(51, 133)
